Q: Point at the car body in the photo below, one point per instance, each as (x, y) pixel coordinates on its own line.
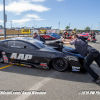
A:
(48, 37)
(55, 35)
(29, 52)
(84, 35)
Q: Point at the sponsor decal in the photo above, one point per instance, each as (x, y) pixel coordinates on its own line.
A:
(72, 58)
(28, 65)
(5, 58)
(25, 31)
(21, 56)
(11, 63)
(75, 68)
(43, 64)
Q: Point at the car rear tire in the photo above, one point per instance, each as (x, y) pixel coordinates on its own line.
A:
(60, 64)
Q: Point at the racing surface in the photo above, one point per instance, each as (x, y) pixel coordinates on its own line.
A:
(57, 85)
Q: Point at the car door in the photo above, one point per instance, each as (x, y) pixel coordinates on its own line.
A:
(20, 51)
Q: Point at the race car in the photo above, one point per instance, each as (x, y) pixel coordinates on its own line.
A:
(30, 52)
(48, 37)
(54, 35)
(84, 35)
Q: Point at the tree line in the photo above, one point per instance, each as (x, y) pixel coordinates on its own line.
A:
(87, 29)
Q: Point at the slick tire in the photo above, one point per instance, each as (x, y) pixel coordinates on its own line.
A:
(60, 64)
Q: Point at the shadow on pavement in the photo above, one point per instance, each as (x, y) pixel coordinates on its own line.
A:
(67, 75)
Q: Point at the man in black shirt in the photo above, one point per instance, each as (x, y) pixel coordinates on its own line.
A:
(89, 52)
(93, 35)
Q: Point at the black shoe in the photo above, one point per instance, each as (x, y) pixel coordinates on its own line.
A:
(97, 81)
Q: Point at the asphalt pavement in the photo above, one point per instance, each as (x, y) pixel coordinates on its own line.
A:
(24, 83)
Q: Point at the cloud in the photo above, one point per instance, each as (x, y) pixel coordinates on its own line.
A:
(36, 0)
(60, 0)
(1, 21)
(22, 6)
(27, 18)
(36, 17)
(28, 0)
(21, 21)
(39, 19)
(32, 16)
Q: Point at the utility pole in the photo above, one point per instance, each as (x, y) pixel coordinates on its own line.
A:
(91, 27)
(59, 26)
(99, 27)
(69, 25)
(11, 24)
(34, 22)
(4, 19)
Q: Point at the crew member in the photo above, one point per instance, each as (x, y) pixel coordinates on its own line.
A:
(45, 33)
(70, 37)
(36, 36)
(89, 52)
(93, 35)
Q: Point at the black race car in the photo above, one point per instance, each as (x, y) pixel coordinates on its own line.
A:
(29, 52)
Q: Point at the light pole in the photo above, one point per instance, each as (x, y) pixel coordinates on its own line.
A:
(59, 25)
(91, 27)
(34, 22)
(4, 19)
(69, 25)
(11, 24)
(99, 27)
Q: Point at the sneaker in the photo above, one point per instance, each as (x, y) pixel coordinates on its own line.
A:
(97, 81)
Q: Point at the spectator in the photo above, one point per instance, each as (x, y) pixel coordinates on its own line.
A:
(45, 33)
(93, 35)
(36, 36)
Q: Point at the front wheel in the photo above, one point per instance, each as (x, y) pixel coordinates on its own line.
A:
(60, 64)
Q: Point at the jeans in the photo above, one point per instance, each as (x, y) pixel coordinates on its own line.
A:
(93, 55)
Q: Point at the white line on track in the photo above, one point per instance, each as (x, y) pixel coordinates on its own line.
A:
(38, 85)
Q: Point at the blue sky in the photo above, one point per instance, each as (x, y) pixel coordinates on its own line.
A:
(47, 13)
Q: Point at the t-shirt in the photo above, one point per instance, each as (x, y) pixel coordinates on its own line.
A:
(81, 47)
(82, 39)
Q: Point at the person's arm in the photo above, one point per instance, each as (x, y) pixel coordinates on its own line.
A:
(70, 42)
(65, 42)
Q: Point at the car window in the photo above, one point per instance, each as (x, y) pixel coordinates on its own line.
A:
(84, 34)
(19, 44)
(39, 45)
(3, 44)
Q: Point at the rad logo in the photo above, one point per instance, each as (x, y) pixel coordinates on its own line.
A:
(21, 56)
